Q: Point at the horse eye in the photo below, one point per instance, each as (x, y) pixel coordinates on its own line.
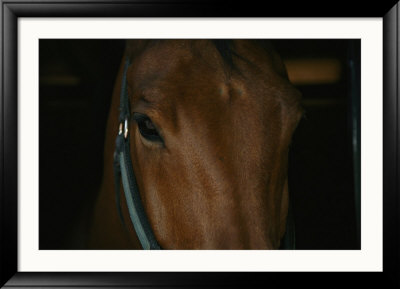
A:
(146, 127)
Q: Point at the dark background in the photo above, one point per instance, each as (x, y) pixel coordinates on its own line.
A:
(76, 82)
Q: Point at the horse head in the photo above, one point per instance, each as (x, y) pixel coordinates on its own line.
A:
(210, 126)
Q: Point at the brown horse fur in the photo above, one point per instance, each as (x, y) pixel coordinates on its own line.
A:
(219, 181)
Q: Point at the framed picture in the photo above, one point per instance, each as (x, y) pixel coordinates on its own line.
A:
(81, 125)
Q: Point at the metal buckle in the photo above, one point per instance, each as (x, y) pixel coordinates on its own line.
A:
(123, 127)
(126, 128)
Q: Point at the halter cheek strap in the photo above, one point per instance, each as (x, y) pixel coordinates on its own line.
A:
(123, 169)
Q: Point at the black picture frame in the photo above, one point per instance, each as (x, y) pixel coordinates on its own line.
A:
(10, 277)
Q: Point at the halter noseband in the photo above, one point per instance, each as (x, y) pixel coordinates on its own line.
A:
(123, 169)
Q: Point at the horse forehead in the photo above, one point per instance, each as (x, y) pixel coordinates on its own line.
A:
(168, 68)
(175, 68)
(175, 62)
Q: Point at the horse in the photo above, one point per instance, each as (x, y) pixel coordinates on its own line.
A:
(203, 131)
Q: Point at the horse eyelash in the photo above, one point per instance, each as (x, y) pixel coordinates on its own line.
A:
(139, 117)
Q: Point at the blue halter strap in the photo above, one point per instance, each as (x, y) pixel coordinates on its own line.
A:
(123, 169)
